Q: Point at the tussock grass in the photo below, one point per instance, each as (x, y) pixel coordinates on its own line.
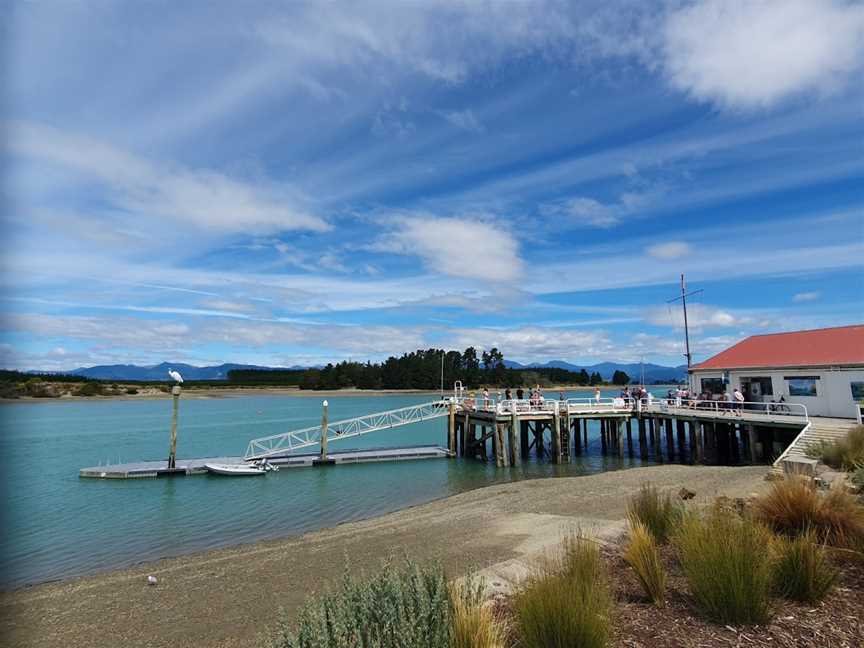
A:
(659, 512)
(566, 602)
(642, 555)
(727, 565)
(402, 606)
(802, 571)
(844, 454)
(793, 507)
(474, 624)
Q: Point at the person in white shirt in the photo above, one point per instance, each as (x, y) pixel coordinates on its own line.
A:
(739, 401)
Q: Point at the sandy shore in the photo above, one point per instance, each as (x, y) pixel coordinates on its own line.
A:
(229, 597)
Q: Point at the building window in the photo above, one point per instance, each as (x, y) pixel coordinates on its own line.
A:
(857, 390)
(713, 385)
(802, 385)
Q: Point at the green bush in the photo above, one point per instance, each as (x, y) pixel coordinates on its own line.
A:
(131, 391)
(566, 602)
(844, 454)
(660, 513)
(642, 555)
(402, 606)
(802, 571)
(726, 561)
(89, 389)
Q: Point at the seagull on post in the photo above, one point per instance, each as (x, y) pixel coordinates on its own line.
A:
(175, 375)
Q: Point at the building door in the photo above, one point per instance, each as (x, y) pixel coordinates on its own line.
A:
(755, 388)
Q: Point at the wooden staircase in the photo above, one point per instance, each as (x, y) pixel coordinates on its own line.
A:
(817, 430)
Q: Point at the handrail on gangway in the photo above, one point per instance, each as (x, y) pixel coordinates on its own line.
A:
(279, 444)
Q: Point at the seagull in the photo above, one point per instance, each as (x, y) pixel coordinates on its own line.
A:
(175, 375)
(151, 580)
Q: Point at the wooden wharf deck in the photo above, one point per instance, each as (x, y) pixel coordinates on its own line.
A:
(708, 433)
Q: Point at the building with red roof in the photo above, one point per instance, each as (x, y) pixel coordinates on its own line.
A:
(822, 369)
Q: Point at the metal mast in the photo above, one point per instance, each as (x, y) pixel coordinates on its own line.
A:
(683, 298)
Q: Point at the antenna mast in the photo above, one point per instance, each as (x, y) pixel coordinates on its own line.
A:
(683, 298)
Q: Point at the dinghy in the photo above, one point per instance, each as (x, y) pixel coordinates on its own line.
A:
(235, 469)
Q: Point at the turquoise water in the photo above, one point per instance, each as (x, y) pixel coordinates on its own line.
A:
(56, 525)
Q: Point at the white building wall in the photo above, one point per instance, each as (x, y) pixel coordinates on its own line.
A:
(833, 387)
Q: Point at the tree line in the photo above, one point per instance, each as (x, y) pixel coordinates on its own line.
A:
(422, 369)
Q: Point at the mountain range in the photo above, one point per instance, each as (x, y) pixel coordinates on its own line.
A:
(653, 372)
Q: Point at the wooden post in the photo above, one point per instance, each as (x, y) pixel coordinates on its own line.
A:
(172, 450)
(324, 422)
(465, 425)
(670, 439)
(556, 438)
(523, 438)
(679, 424)
(629, 422)
(751, 436)
(619, 431)
(513, 443)
(691, 425)
(585, 425)
(538, 437)
(643, 441)
(576, 427)
(700, 442)
(451, 429)
(603, 443)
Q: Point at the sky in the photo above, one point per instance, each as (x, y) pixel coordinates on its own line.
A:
(297, 183)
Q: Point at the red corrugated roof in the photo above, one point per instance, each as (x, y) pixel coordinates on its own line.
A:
(843, 345)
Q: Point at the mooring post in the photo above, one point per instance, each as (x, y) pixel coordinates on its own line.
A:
(451, 429)
(512, 438)
(324, 421)
(172, 451)
(556, 438)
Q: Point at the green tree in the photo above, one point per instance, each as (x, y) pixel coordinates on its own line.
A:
(620, 378)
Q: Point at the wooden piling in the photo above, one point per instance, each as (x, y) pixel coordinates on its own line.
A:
(629, 422)
(324, 419)
(556, 438)
(700, 442)
(619, 431)
(576, 427)
(524, 443)
(464, 436)
(451, 429)
(585, 426)
(691, 426)
(752, 440)
(643, 441)
(681, 438)
(513, 439)
(175, 409)
(603, 440)
(670, 439)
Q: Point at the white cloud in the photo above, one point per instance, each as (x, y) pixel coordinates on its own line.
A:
(806, 296)
(699, 316)
(468, 248)
(670, 250)
(582, 210)
(754, 53)
(537, 343)
(142, 189)
(464, 119)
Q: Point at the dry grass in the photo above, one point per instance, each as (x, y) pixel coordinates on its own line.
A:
(727, 566)
(802, 571)
(474, 624)
(793, 507)
(659, 512)
(845, 454)
(566, 603)
(644, 558)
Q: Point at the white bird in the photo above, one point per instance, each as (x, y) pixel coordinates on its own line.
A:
(175, 375)
(151, 580)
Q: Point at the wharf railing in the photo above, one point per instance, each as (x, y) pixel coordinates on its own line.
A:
(287, 442)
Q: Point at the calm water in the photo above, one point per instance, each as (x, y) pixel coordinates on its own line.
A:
(56, 525)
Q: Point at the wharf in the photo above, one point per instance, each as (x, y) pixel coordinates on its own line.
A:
(151, 469)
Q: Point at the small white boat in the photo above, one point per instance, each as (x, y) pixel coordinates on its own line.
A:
(235, 469)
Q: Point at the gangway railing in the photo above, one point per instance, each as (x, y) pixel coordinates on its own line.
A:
(287, 442)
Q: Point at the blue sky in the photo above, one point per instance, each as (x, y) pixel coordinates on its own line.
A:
(289, 183)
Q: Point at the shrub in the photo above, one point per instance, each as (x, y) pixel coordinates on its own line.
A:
(131, 391)
(402, 606)
(724, 559)
(473, 624)
(802, 570)
(642, 555)
(90, 389)
(845, 453)
(660, 513)
(566, 602)
(793, 507)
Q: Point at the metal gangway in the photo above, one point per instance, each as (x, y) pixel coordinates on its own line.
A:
(287, 442)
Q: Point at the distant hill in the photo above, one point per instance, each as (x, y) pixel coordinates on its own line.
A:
(160, 371)
(653, 372)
